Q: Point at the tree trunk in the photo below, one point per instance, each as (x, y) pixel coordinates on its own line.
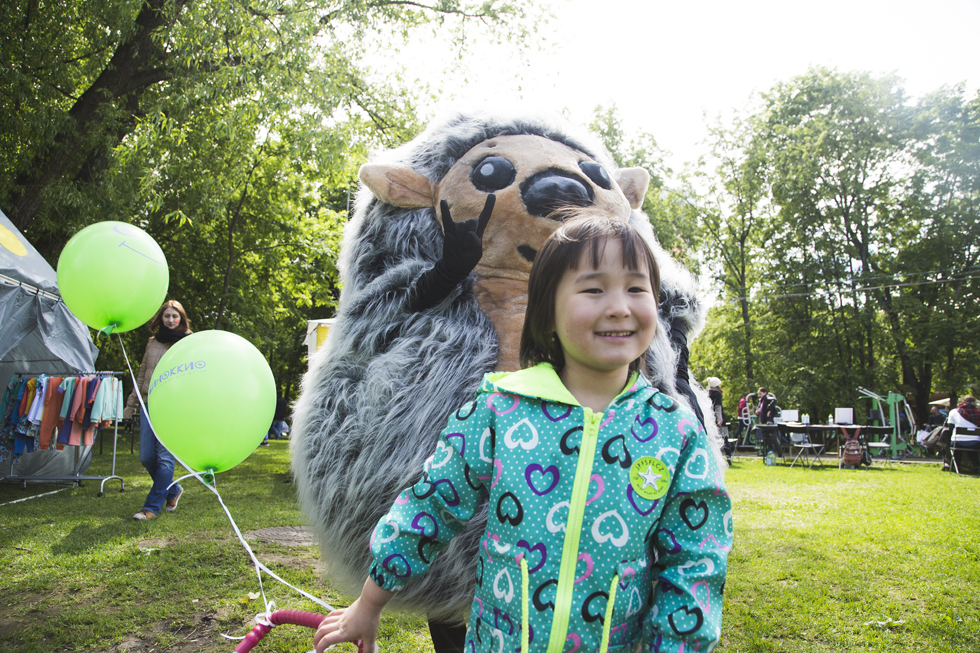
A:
(228, 270)
(137, 64)
(747, 324)
(922, 393)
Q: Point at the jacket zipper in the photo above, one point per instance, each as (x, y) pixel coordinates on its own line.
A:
(525, 608)
(607, 622)
(573, 530)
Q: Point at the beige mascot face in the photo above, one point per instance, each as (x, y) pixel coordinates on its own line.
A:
(531, 176)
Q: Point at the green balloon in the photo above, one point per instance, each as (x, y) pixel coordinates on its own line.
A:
(113, 274)
(212, 398)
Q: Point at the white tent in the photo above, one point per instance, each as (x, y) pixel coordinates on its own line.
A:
(316, 335)
(38, 334)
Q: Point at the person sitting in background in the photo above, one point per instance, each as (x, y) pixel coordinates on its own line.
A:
(904, 425)
(279, 427)
(966, 415)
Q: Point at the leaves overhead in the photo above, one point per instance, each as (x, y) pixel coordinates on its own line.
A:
(231, 131)
(842, 224)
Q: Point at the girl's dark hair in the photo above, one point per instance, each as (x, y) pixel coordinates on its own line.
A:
(157, 320)
(583, 232)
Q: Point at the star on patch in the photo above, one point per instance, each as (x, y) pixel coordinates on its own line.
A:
(650, 478)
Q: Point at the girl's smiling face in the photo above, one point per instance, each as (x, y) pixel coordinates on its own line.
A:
(170, 317)
(605, 317)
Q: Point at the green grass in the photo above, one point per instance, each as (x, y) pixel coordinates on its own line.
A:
(831, 560)
(824, 560)
(80, 574)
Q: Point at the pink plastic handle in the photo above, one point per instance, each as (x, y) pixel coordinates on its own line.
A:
(278, 618)
(297, 618)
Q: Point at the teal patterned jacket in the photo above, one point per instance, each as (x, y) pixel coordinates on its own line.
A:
(606, 531)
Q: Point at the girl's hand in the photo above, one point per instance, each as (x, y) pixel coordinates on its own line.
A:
(358, 623)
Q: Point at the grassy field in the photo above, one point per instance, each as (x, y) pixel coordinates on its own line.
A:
(874, 560)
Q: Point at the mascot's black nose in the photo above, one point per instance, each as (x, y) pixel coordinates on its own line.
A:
(552, 189)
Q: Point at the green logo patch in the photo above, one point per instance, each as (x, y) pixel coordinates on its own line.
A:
(650, 477)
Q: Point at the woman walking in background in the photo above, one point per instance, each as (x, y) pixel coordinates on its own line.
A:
(169, 325)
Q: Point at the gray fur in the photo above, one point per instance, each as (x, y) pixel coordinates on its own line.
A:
(378, 393)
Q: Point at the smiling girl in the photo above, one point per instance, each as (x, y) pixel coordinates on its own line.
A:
(609, 525)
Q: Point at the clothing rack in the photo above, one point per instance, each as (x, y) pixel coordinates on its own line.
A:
(77, 477)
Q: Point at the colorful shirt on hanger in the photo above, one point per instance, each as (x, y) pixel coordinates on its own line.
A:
(38, 411)
(64, 421)
(53, 398)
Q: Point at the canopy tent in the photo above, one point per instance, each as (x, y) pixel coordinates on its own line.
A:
(316, 335)
(38, 335)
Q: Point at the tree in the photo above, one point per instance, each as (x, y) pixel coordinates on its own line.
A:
(673, 218)
(79, 77)
(943, 202)
(230, 131)
(860, 195)
(735, 217)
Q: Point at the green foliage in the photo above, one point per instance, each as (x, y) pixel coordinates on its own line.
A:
(735, 218)
(231, 131)
(673, 218)
(842, 226)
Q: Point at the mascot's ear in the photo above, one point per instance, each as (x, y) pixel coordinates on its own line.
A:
(633, 182)
(398, 185)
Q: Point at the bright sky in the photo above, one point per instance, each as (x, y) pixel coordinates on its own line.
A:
(667, 65)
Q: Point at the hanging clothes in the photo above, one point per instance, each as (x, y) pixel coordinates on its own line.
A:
(25, 433)
(18, 399)
(77, 413)
(37, 404)
(52, 409)
(26, 399)
(38, 412)
(108, 405)
(68, 388)
(6, 430)
(88, 428)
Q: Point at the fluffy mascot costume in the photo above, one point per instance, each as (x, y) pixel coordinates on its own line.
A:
(418, 326)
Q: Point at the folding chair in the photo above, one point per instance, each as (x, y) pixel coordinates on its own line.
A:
(960, 446)
(876, 447)
(798, 439)
(133, 428)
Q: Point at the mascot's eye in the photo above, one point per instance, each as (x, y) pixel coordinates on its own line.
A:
(493, 173)
(596, 173)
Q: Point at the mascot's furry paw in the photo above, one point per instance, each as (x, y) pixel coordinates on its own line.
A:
(380, 390)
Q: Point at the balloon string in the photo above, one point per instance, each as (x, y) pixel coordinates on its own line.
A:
(259, 567)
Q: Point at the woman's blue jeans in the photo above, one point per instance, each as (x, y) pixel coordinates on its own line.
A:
(159, 462)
